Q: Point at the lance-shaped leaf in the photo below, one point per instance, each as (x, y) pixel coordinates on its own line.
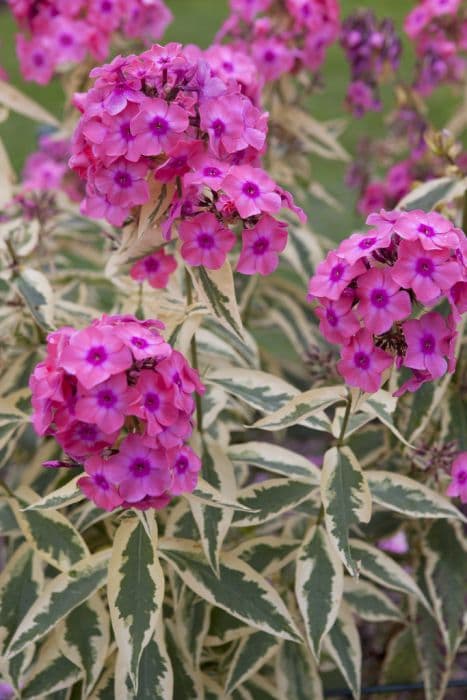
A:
(261, 390)
(52, 672)
(208, 495)
(407, 496)
(60, 596)
(431, 193)
(49, 532)
(276, 459)
(224, 628)
(369, 602)
(319, 583)
(18, 102)
(267, 554)
(239, 589)
(135, 590)
(216, 289)
(446, 577)
(20, 584)
(64, 496)
(303, 251)
(269, 499)
(346, 499)
(286, 313)
(85, 639)
(343, 645)
(192, 622)
(187, 680)
(380, 568)
(400, 663)
(261, 689)
(382, 405)
(297, 677)
(36, 291)
(251, 654)
(104, 689)
(213, 523)
(305, 406)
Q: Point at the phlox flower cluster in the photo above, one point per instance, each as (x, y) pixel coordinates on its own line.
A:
(60, 33)
(120, 401)
(373, 49)
(458, 486)
(47, 169)
(166, 114)
(282, 37)
(376, 293)
(438, 29)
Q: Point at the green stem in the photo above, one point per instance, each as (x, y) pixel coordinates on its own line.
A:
(194, 353)
(341, 438)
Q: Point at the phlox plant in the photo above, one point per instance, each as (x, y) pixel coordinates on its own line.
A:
(233, 440)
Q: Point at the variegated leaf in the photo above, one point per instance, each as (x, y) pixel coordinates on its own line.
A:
(369, 602)
(380, 568)
(407, 496)
(276, 459)
(304, 407)
(213, 523)
(18, 102)
(61, 595)
(382, 405)
(104, 689)
(216, 289)
(303, 251)
(269, 499)
(343, 645)
(297, 677)
(267, 554)
(52, 671)
(239, 589)
(251, 654)
(261, 689)
(135, 590)
(319, 580)
(210, 496)
(187, 681)
(346, 499)
(38, 294)
(49, 532)
(192, 622)
(400, 663)
(427, 195)
(66, 495)
(446, 577)
(224, 628)
(262, 391)
(85, 639)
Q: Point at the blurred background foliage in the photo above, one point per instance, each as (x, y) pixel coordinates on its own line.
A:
(196, 21)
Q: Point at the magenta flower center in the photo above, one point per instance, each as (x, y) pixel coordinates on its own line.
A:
(205, 241)
(218, 127)
(151, 264)
(331, 318)
(159, 126)
(181, 465)
(379, 298)
(269, 56)
(38, 59)
(251, 189)
(138, 342)
(66, 39)
(362, 360)
(461, 477)
(427, 230)
(228, 66)
(427, 344)
(211, 171)
(87, 433)
(101, 482)
(140, 467)
(366, 243)
(106, 398)
(337, 272)
(260, 246)
(176, 378)
(151, 401)
(424, 267)
(125, 132)
(96, 355)
(123, 179)
(106, 6)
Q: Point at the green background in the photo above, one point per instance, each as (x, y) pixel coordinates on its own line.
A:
(196, 21)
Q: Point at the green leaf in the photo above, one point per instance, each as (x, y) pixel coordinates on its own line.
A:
(303, 407)
(400, 663)
(61, 595)
(303, 251)
(187, 680)
(135, 590)
(319, 583)
(51, 672)
(208, 495)
(214, 523)
(276, 459)
(239, 589)
(49, 532)
(407, 496)
(104, 689)
(346, 499)
(382, 405)
(446, 576)
(380, 568)
(251, 654)
(224, 628)
(343, 645)
(192, 622)
(216, 288)
(267, 554)
(297, 677)
(369, 602)
(431, 193)
(262, 391)
(36, 291)
(270, 499)
(66, 495)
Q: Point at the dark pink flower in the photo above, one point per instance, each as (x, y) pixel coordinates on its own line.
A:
(186, 466)
(205, 241)
(123, 183)
(332, 276)
(157, 127)
(139, 470)
(156, 403)
(458, 486)
(338, 321)
(261, 245)
(222, 118)
(82, 439)
(427, 344)
(381, 301)
(434, 231)
(252, 191)
(362, 364)
(107, 404)
(360, 245)
(98, 484)
(94, 355)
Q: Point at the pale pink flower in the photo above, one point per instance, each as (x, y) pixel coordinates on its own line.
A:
(332, 276)
(432, 230)
(222, 118)
(142, 342)
(107, 404)
(458, 486)
(360, 245)
(123, 183)
(186, 466)
(427, 344)
(157, 127)
(94, 355)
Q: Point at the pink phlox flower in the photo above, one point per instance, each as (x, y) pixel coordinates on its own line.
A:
(83, 439)
(36, 59)
(362, 364)
(261, 245)
(156, 403)
(332, 276)
(396, 544)
(177, 373)
(223, 119)
(432, 230)
(443, 7)
(155, 268)
(139, 470)
(248, 9)
(415, 381)
(107, 404)
(384, 221)
(158, 126)
(361, 245)
(95, 354)
(338, 321)
(207, 170)
(147, 20)
(427, 344)
(252, 190)
(98, 484)
(123, 183)
(272, 57)
(428, 272)
(458, 486)
(458, 299)
(180, 160)
(143, 342)
(186, 466)
(381, 301)
(417, 19)
(374, 197)
(205, 241)
(112, 135)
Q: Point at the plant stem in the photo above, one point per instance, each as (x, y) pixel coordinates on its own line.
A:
(194, 353)
(341, 438)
